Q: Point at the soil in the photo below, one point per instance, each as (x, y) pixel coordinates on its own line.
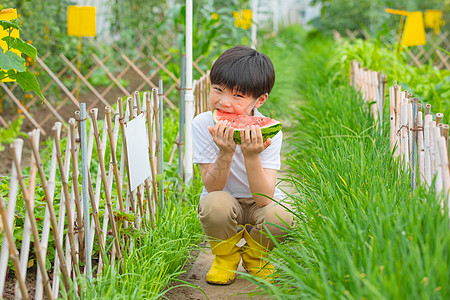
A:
(30, 282)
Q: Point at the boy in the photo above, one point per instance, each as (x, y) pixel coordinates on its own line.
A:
(233, 175)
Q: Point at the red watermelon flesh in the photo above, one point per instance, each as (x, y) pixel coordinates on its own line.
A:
(269, 127)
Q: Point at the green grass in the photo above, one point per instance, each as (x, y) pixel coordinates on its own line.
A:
(360, 232)
(158, 255)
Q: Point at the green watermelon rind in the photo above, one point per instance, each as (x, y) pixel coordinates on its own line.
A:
(268, 131)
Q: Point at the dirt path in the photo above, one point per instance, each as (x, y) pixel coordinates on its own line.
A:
(196, 275)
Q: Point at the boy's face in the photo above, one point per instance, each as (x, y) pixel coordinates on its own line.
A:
(230, 101)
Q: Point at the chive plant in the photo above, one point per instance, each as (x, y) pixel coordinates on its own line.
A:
(360, 232)
(157, 255)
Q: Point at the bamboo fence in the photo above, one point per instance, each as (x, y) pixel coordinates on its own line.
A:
(417, 55)
(418, 139)
(142, 67)
(95, 207)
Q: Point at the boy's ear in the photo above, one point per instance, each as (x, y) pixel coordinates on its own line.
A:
(261, 99)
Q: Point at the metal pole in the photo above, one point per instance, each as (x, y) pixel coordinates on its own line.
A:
(161, 138)
(85, 186)
(189, 96)
(275, 16)
(181, 135)
(254, 7)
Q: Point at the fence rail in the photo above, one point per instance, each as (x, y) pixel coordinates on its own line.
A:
(89, 220)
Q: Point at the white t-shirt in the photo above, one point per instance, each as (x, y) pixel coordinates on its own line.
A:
(206, 151)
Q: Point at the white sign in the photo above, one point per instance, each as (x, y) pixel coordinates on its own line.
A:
(137, 148)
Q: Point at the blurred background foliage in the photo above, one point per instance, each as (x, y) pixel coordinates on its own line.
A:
(341, 15)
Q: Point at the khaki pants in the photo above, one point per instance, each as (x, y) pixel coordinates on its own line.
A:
(220, 213)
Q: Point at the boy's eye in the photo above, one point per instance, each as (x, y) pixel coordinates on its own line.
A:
(238, 95)
(218, 89)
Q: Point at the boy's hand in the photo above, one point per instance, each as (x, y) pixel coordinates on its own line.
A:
(252, 142)
(222, 134)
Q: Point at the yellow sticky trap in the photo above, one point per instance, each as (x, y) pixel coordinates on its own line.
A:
(8, 15)
(433, 19)
(414, 31)
(81, 21)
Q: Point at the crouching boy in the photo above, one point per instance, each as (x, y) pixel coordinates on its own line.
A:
(233, 175)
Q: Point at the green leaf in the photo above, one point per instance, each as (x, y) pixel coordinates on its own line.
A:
(10, 60)
(159, 177)
(20, 45)
(7, 25)
(28, 82)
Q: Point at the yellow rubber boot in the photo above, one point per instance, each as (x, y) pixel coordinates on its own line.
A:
(226, 262)
(254, 257)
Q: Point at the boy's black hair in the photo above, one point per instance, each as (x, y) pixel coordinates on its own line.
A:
(244, 70)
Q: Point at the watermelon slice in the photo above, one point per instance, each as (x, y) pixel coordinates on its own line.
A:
(269, 127)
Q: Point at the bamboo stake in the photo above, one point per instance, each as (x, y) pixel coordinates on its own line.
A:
(398, 99)
(133, 193)
(413, 133)
(152, 125)
(75, 189)
(47, 218)
(137, 100)
(61, 224)
(444, 164)
(37, 247)
(427, 160)
(404, 135)
(98, 189)
(438, 164)
(439, 117)
(112, 146)
(64, 181)
(375, 98)
(13, 251)
(105, 184)
(432, 150)
(410, 128)
(110, 184)
(124, 145)
(392, 136)
(421, 149)
(150, 149)
(445, 129)
(427, 109)
(12, 198)
(27, 231)
(48, 199)
(96, 222)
